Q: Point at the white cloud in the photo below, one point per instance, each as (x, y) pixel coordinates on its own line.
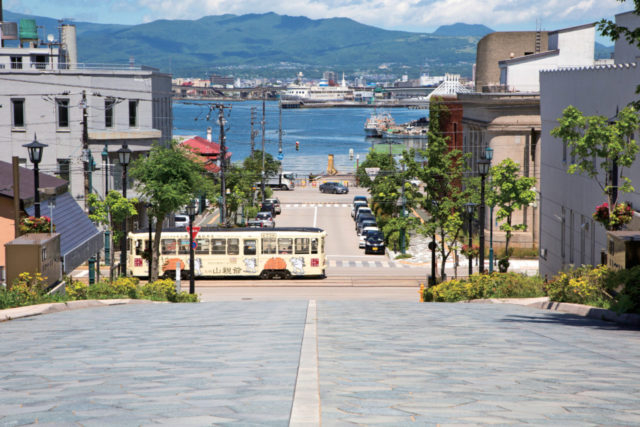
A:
(414, 14)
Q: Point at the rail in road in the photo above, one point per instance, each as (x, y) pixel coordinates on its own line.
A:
(331, 281)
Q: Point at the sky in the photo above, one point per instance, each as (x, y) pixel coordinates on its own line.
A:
(406, 15)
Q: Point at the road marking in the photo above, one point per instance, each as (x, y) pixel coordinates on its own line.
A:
(305, 409)
(315, 216)
(83, 273)
(213, 219)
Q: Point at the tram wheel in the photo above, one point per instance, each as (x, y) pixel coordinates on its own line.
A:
(265, 274)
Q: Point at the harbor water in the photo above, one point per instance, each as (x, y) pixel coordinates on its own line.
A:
(320, 132)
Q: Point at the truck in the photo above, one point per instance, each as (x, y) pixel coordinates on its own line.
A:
(283, 181)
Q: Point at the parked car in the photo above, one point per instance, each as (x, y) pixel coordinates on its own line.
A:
(266, 218)
(181, 220)
(356, 205)
(276, 204)
(359, 199)
(364, 217)
(363, 211)
(255, 223)
(374, 244)
(363, 235)
(366, 222)
(333, 187)
(269, 206)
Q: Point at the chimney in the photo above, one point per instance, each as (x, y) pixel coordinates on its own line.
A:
(209, 134)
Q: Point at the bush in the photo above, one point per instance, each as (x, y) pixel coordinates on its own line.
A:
(77, 290)
(160, 290)
(583, 285)
(479, 286)
(627, 285)
(26, 290)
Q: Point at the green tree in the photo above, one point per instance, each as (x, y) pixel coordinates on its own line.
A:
(611, 143)
(445, 190)
(169, 178)
(510, 192)
(111, 212)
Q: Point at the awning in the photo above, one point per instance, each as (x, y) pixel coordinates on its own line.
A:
(79, 237)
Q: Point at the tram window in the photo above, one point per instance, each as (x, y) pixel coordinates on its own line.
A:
(168, 246)
(314, 246)
(249, 247)
(285, 246)
(302, 245)
(183, 247)
(218, 246)
(139, 250)
(322, 247)
(202, 247)
(233, 246)
(269, 245)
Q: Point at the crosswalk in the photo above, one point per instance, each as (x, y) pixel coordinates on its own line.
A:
(368, 264)
(315, 205)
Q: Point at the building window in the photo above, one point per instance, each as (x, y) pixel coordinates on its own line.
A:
(133, 113)
(40, 62)
(16, 62)
(571, 233)
(562, 236)
(109, 104)
(63, 169)
(17, 106)
(63, 112)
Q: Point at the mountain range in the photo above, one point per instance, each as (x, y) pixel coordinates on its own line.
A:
(272, 45)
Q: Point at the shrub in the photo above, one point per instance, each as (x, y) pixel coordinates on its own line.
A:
(583, 285)
(160, 290)
(77, 290)
(495, 285)
(627, 283)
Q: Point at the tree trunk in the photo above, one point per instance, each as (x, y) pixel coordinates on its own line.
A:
(443, 260)
(155, 268)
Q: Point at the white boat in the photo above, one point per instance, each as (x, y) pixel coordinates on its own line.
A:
(322, 92)
(377, 124)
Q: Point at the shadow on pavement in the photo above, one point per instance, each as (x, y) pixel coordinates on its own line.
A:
(570, 320)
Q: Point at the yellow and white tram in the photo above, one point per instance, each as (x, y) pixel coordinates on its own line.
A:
(236, 252)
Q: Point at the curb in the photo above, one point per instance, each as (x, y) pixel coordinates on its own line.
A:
(36, 310)
(543, 303)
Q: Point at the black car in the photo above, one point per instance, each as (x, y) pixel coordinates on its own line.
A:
(366, 223)
(359, 199)
(268, 206)
(333, 187)
(362, 218)
(374, 244)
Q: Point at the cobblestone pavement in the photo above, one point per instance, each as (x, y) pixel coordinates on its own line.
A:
(343, 362)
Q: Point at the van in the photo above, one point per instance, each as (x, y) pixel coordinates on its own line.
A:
(181, 220)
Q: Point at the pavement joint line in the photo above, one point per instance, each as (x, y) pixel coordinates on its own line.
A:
(305, 409)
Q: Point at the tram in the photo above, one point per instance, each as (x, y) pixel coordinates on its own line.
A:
(282, 252)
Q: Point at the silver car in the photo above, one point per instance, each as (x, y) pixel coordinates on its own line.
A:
(267, 219)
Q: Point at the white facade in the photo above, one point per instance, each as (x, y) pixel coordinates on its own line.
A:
(568, 234)
(48, 103)
(571, 47)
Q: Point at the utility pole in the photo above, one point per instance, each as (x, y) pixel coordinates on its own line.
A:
(223, 154)
(253, 132)
(263, 123)
(280, 127)
(85, 151)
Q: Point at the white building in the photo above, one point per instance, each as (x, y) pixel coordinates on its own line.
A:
(567, 48)
(46, 97)
(568, 234)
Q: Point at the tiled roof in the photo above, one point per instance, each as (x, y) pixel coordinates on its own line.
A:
(203, 147)
(26, 181)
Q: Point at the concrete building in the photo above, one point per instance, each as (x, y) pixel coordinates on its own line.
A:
(569, 235)
(126, 105)
(510, 125)
(569, 47)
(499, 46)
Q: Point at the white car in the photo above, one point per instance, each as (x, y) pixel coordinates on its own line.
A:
(363, 235)
(266, 218)
(181, 220)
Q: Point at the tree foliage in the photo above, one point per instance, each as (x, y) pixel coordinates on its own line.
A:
(112, 211)
(510, 192)
(169, 178)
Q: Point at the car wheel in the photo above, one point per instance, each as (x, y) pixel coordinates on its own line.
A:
(284, 187)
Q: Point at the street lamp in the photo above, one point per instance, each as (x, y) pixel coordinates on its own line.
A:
(149, 248)
(124, 155)
(470, 207)
(432, 247)
(191, 211)
(35, 155)
(105, 160)
(484, 165)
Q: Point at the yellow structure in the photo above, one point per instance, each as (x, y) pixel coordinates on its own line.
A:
(331, 170)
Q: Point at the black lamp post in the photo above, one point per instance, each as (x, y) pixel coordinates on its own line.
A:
(105, 160)
(191, 211)
(483, 169)
(35, 155)
(150, 253)
(470, 207)
(432, 247)
(124, 155)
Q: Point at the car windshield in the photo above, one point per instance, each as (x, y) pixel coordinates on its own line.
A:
(375, 235)
(263, 215)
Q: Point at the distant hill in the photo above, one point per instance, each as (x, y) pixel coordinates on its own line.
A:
(270, 44)
(462, 30)
(603, 52)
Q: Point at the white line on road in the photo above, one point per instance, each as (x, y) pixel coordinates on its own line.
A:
(305, 410)
(315, 216)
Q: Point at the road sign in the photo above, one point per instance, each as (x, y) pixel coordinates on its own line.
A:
(194, 244)
(280, 156)
(195, 231)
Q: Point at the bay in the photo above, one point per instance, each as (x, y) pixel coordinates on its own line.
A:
(320, 132)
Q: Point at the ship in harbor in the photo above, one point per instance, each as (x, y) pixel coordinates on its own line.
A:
(377, 124)
(414, 130)
(321, 92)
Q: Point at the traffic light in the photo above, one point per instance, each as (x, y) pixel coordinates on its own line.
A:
(297, 145)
